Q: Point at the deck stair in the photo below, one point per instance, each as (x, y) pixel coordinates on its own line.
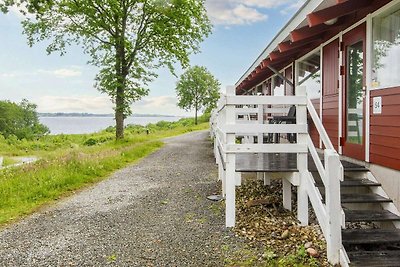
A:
(371, 237)
(360, 223)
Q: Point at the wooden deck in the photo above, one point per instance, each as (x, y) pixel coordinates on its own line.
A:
(279, 162)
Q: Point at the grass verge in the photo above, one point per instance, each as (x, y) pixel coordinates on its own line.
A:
(69, 163)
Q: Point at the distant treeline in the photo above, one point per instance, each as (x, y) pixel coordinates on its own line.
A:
(76, 114)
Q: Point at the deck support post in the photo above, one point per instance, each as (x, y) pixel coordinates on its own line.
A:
(238, 178)
(287, 194)
(222, 175)
(302, 161)
(333, 206)
(230, 209)
(267, 179)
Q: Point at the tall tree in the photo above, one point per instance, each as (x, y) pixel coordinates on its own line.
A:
(197, 89)
(126, 39)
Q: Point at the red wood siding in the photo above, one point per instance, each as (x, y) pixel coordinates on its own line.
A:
(330, 91)
(289, 75)
(313, 130)
(330, 117)
(385, 129)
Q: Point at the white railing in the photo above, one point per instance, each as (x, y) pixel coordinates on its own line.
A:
(226, 127)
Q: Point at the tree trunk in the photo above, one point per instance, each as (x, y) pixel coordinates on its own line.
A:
(119, 114)
(121, 73)
(195, 115)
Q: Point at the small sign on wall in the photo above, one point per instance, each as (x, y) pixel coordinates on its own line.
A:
(377, 105)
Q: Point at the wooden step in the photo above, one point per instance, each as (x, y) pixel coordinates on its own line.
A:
(352, 183)
(363, 198)
(358, 182)
(385, 258)
(370, 236)
(352, 167)
(370, 215)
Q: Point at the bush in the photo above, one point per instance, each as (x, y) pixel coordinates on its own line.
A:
(20, 120)
(90, 142)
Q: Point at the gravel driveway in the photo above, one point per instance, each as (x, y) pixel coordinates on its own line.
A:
(154, 213)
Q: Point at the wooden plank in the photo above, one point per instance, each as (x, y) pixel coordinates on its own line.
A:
(348, 182)
(330, 112)
(330, 98)
(331, 105)
(266, 100)
(266, 162)
(393, 110)
(385, 131)
(374, 258)
(330, 72)
(370, 236)
(363, 198)
(370, 216)
(265, 128)
(330, 119)
(385, 120)
(266, 148)
(386, 91)
(352, 183)
(386, 141)
(385, 161)
(388, 152)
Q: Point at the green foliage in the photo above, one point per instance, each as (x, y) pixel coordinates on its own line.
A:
(197, 89)
(248, 256)
(20, 121)
(127, 39)
(69, 162)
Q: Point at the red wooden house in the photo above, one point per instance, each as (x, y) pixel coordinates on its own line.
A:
(347, 55)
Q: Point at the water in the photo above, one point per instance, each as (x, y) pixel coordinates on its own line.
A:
(82, 125)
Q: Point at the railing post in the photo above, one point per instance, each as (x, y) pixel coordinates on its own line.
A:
(333, 206)
(230, 183)
(302, 161)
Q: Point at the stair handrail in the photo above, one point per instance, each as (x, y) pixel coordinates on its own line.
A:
(330, 215)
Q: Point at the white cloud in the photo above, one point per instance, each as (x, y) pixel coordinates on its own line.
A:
(63, 73)
(293, 6)
(8, 75)
(165, 105)
(20, 12)
(73, 71)
(90, 104)
(240, 12)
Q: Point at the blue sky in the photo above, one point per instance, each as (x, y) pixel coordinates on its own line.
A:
(242, 29)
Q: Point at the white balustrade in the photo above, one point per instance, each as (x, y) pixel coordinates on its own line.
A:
(244, 116)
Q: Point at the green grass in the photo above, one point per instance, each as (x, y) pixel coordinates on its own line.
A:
(248, 256)
(7, 161)
(70, 162)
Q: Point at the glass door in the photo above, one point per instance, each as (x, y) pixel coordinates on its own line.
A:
(354, 93)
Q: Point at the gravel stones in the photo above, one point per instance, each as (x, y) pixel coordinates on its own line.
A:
(266, 222)
(154, 213)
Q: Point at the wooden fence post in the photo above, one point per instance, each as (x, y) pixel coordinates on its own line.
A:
(230, 119)
(333, 206)
(302, 161)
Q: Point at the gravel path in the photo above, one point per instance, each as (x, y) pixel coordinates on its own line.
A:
(154, 213)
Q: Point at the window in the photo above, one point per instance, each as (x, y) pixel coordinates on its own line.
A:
(386, 49)
(310, 74)
(278, 86)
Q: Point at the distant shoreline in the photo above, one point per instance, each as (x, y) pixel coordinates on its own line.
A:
(61, 114)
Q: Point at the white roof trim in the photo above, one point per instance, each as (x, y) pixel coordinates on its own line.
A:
(308, 7)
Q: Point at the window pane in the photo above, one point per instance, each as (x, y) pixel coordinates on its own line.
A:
(386, 49)
(355, 93)
(310, 75)
(278, 86)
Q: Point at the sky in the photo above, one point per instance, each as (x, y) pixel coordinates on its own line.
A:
(241, 30)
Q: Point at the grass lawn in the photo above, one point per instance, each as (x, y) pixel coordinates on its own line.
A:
(70, 162)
